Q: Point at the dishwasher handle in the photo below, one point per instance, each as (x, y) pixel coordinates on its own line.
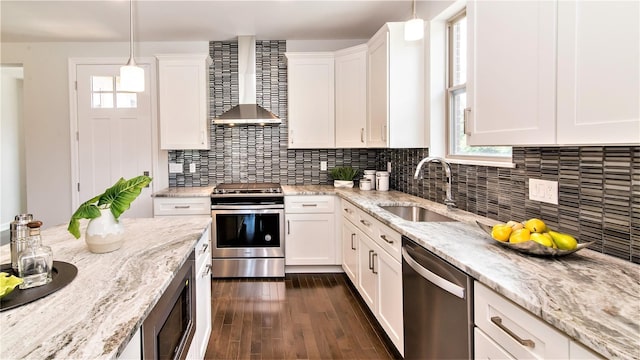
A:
(436, 280)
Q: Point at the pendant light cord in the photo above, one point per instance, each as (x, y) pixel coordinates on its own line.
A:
(131, 61)
(413, 10)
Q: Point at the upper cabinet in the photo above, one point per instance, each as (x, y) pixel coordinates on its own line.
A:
(396, 90)
(351, 97)
(553, 72)
(183, 92)
(311, 100)
(598, 72)
(511, 72)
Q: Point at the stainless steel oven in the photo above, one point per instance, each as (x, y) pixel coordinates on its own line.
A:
(247, 231)
(170, 326)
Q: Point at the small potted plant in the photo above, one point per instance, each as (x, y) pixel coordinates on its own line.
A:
(104, 232)
(343, 176)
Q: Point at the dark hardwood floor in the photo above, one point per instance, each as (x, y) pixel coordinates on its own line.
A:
(304, 316)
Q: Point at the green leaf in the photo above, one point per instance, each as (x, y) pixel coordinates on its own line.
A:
(120, 196)
(344, 173)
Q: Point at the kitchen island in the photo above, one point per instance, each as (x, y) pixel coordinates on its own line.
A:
(96, 315)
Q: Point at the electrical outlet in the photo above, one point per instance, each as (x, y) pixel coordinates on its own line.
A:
(175, 168)
(323, 165)
(543, 191)
(192, 168)
(389, 166)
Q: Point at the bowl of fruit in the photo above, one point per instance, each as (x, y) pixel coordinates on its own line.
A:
(533, 237)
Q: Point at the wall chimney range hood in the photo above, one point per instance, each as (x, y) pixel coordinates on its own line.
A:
(247, 112)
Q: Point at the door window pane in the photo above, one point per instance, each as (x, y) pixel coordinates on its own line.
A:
(102, 100)
(126, 100)
(102, 83)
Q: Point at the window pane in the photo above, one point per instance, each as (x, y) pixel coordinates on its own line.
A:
(127, 100)
(101, 83)
(459, 44)
(102, 100)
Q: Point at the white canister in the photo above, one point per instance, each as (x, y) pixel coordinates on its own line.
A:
(366, 184)
(382, 180)
(371, 175)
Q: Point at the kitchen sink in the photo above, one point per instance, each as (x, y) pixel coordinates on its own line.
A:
(416, 213)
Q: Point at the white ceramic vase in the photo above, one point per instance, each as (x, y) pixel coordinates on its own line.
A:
(342, 183)
(104, 233)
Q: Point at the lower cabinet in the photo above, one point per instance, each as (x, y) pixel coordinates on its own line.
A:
(133, 350)
(310, 231)
(505, 330)
(203, 297)
(368, 258)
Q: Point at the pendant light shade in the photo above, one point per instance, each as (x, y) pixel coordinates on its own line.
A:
(414, 28)
(131, 75)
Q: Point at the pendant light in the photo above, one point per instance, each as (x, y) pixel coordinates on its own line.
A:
(131, 75)
(414, 28)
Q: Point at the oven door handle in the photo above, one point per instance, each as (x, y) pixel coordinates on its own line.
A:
(245, 207)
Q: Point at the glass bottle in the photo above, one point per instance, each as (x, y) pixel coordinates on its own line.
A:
(35, 262)
(18, 238)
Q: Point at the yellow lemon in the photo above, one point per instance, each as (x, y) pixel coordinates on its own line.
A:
(501, 232)
(519, 236)
(535, 225)
(542, 239)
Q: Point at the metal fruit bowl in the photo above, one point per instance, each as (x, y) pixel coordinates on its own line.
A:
(532, 247)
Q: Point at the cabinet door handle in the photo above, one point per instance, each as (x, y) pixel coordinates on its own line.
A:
(202, 137)
(465, 127)
(384, 237)
(370, 259)
(288, 228)
(362, 135)
(207, 271)
(373, 264)
(352, 236)
(290, 136)
(348, 211)
(525, 342)
(365, 223)
(181, 206)
(309, 205)
(204, 248)
(384, 132)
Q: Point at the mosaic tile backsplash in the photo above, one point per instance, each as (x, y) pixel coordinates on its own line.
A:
(598, 200)
(599, 187)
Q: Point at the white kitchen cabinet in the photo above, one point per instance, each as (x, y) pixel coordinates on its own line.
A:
(311, 92)
(203, 296)
(515, 330)
(311, 231)
(395, 103)
(183, 96)
(578, 352)
(598, 72)
(181, 206)
(511, 74)
(351, 97)
(484, 348)
(350, 251)
(379, 270)
(133, 350)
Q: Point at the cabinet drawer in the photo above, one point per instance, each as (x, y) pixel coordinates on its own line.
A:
(486, 349)
(182, 206)
(203, 249)
(309, 204)
(350, 211)
(389, 239)
(520, 333)
(367, 224)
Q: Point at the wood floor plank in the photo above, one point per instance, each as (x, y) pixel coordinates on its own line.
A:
(303, 316)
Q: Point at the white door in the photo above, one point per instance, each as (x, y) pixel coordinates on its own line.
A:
(114, 134)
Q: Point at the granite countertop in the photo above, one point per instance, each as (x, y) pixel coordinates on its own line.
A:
(95, 316)
(200, 191)
(592, 297)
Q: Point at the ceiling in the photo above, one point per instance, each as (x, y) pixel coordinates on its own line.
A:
(203, 20)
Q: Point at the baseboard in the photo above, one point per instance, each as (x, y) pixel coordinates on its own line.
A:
(312, 269)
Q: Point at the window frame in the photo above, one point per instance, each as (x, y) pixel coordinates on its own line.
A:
(450, 90)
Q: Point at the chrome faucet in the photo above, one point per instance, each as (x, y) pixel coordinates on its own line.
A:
(451, 204)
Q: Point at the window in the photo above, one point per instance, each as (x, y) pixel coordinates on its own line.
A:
(457, 98)
(102, 94)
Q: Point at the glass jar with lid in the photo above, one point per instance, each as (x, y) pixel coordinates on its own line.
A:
(35, 262)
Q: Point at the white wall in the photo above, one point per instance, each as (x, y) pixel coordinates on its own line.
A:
(12, 163)
(46, 114)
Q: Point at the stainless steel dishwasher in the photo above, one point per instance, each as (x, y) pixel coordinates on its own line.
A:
(438, 306)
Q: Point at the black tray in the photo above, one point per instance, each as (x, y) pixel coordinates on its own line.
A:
(62, 274)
